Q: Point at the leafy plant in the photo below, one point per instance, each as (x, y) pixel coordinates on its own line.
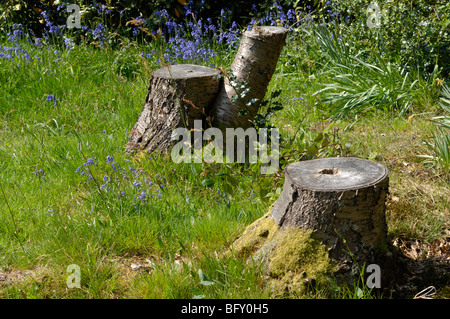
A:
(440, 144)
(414, 30)
(360, 84)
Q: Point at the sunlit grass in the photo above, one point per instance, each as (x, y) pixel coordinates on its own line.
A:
(53, 216)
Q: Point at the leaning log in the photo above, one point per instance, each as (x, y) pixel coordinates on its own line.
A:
(254, 64)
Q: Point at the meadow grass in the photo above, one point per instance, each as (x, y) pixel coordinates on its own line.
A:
(144, 227)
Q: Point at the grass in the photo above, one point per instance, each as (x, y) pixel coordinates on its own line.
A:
(170, 244)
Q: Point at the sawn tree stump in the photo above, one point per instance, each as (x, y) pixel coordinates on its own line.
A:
(342, 200)
(177, 95)
(329, 219)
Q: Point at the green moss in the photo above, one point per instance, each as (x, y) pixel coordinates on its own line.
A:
(299, 253)
(444, 292)
(255, 235)
(291, 257)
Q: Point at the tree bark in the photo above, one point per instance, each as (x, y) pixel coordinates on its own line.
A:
(342, 200)
(254, 63)
(177, 95)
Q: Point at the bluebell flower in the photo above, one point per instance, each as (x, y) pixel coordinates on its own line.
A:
(90, 161)
(99, 33)
(103, 9)
(109, 159)
(51, 97)
(38, 42)
(68, 43)
(137, 184)
(291, 15)
(39, 172)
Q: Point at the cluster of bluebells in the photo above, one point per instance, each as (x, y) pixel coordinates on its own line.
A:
(16, 52)
(193, 40)
(55, 33)
(52, 98)
(190, 41)
(121, 182)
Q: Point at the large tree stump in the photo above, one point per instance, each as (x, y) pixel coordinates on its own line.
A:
(329, 219)
(342, 200)
(177, 95)
(254, 63)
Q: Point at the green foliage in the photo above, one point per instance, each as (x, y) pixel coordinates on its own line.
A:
(362, 79)
(440, 144)
(417, 31)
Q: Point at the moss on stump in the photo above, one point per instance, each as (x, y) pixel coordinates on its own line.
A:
(291, 258)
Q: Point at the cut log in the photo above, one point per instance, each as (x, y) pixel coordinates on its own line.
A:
(177, 95)
(254, 63)
(342, 200)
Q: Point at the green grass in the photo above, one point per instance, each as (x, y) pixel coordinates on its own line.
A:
(57, 217)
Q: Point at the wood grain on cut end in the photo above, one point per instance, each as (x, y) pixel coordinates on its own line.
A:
(185, 71)
(335, 174)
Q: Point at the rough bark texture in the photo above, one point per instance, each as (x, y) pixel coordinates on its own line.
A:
(177, 95)
(254, 63)
(189, 92)
(342, 200)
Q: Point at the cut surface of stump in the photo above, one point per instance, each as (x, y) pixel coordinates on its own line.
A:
(342, 200)
(177, 95)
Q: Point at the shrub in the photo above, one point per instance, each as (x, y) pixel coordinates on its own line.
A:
(415, 30)
(361, 80)
(440, 145)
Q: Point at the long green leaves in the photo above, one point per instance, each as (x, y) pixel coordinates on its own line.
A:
(440, 145)
(358, 85)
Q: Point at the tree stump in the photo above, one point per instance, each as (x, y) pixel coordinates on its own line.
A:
(254, 63)
(328, 220)
(177, 95)
(342, 200)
